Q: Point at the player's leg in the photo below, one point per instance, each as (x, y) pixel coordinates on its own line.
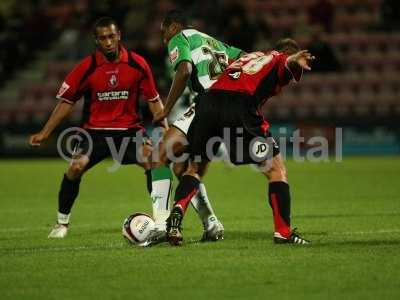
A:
(146, 156)
(280, 201)
(70, 184)
(188, 187)
(160, 212)
(278, 194)
(213, 228)
(171, 147)
(143, 159)
(198, 136)
(69, 191)
(179, 168)
(172, 144)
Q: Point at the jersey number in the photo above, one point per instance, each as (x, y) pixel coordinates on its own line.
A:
(189, 112)
(251, 63)
(217, 64)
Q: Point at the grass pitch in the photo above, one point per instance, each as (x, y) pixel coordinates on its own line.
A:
(350, 211)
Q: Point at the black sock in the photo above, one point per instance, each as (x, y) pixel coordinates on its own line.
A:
(148, 180)
(279, 199)
(187, 188)
(68, 192)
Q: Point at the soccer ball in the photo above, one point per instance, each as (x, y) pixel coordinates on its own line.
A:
(136, 228)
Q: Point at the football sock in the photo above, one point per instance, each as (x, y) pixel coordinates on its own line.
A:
(148, 180)
(69, 190)
(160, 193)
(63, 218)
(186, 190)
(279, 200)
(202, 205)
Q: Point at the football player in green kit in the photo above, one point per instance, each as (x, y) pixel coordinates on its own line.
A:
(198, 59)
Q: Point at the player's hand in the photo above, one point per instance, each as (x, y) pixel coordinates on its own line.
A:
(159, 116)
(303, 58)
(37, 138)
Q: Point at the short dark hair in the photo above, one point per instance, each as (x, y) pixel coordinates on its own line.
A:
(287, 45)
(175, 16)
(104, 22)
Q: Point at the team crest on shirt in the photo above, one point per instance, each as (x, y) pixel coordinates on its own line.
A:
(113, 81)
(64, 87)
(235, 74)
(173, 55)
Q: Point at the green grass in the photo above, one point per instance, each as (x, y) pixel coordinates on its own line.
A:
(350, 210)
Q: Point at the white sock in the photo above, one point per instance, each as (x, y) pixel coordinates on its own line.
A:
(161, 190)
(202, 205)
(63, 218)
(160, 217)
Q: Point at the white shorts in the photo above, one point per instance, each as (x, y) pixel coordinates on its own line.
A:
(184, 121)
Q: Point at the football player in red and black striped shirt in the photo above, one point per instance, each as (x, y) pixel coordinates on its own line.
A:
(111, 81)
(231, 111)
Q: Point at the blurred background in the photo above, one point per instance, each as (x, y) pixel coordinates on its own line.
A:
(355, 82)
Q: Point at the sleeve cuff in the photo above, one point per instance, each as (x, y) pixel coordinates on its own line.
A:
(154, 99)
(65, 100)
(179, 62)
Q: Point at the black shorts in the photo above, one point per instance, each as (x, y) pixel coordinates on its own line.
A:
(230, 118)
(121, 145)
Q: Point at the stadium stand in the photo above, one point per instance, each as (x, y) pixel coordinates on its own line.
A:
(359, 76)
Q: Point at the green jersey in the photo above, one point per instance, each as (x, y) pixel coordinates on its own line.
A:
(208, 56)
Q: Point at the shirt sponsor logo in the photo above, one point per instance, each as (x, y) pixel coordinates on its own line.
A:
(64, 87)
(260, 149)
(173, 55)
(114, 95)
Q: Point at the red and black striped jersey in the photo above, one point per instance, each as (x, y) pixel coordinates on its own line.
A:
(111, 90)
(259, 74)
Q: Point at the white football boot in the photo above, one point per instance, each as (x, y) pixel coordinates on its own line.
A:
(213, 230)
(156, 236)
(59, 231)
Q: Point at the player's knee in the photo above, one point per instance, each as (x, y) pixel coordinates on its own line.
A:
(163, 158)
(144, 157)
(76, 170)
(179, 175)
(159, 157)
(146, 152)
(192, 170)
(202, 169)
(179, 169)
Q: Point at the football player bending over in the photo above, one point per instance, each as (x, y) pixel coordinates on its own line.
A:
(232, 106)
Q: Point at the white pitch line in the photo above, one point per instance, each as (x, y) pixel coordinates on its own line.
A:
(83, 226)
(20, 229)
(60, 249)
(365, 232)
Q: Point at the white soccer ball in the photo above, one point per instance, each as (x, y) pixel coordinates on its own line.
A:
(136, 228)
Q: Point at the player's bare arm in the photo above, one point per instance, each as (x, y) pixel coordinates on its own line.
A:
(182, 75)
(157, 108)
(62, 110)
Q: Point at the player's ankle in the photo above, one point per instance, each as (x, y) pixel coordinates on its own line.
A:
(283, 232)
(63, 219)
